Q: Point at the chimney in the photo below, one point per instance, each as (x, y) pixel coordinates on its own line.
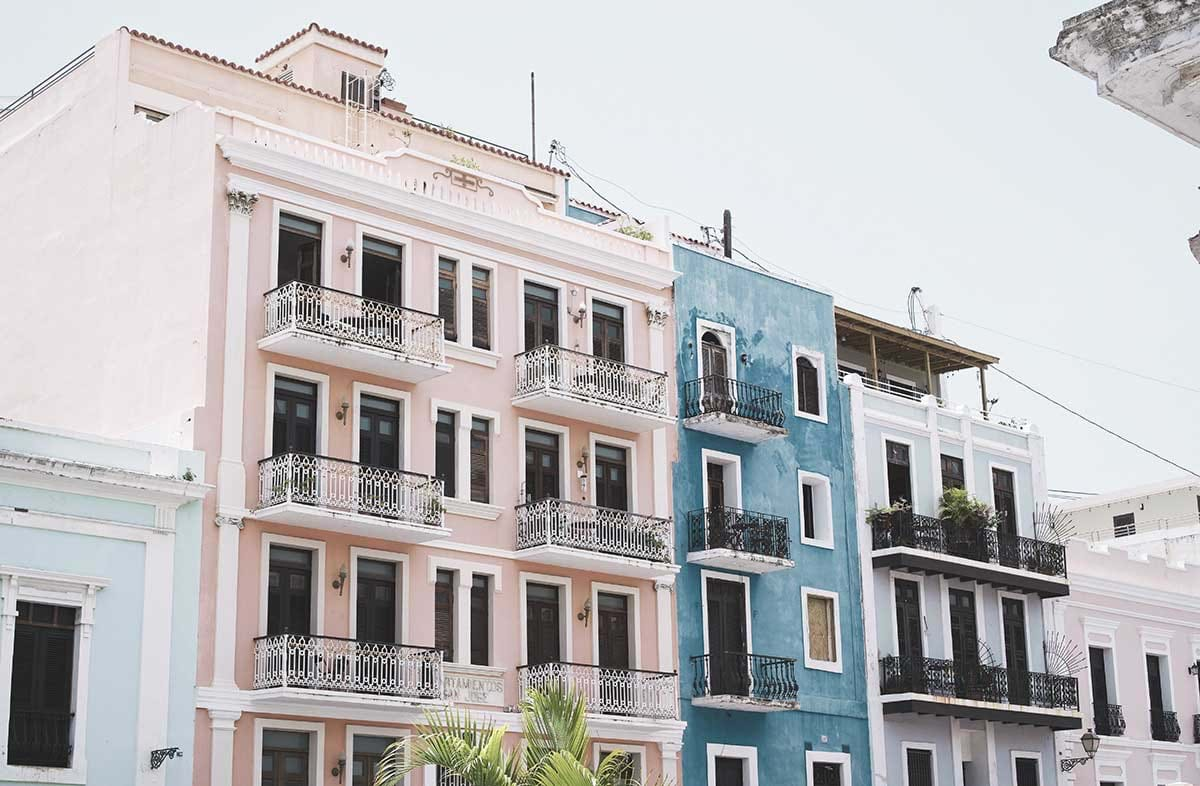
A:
(727, 234)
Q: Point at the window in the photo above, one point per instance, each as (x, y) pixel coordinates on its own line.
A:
(827, 774)
(368, 752)
(952, 473)
(629, 762)
(541, 316)
(608, 331)
(480, 460)
(447, 296)
(443, 613)
(299, 249)
(826, 768)
(808, 394)
(285, 758)
(481, 308)
(1124, 526)
(732, 765)
(289, 591)
(1027, 771)
(382, 271)
(39, 732)
(821, 635)
(1004, 500)
(446, 437)
(612, 477)
(808, 510)
(294, 426)
(480, 619)
(543, 627)
(153, 115)
(816, 510)
(542, 479)
(919, 767)
(354, 89)
(378, 432)
(376, 601)
(899, 473)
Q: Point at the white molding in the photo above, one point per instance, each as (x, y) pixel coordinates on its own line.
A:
(318, 578)
(316, 745)
(726, 460)
(566, 613)
(402, 397)
(321, 417)
(551, 282)
(747, 753)
(716, 575)
(480, 357)
(831, 757)
(464, 416)
(1015, 754)
(906, 746)
(358, 730)
(627, 307)
(1016, 476)
(403, 584)
(631, 466)
(634, 620)
(564, 455)
(325, 218)
(919, 580)
(362, 231)
(95, 480)
(836, 665)
(818, 360)
(602, 749)
(727, 333)
(884, 438)
(1001, 596)
(822, 508)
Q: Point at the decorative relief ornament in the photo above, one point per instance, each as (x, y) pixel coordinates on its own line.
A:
(242, 202)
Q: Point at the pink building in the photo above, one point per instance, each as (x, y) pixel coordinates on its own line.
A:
(435, 404)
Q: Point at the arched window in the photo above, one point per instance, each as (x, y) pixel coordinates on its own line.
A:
(808, 387)
(714, 359)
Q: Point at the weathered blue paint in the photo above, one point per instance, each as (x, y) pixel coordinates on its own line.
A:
(770, 317)
(589, 216)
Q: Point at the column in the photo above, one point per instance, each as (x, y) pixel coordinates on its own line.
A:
(8, 629)
(223, 723)
(665, 616)
(670, 761)
(83, 673)
(930, 403)
(657, 316)
(462, 616)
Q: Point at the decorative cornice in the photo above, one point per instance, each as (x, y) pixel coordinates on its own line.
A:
(102, 481)
(241, 202)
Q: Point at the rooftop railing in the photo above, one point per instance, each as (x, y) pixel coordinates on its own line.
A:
(347, 665)
(559, 522)
(608, 691)
(606, 382)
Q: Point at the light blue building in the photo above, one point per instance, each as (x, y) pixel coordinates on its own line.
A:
(99, 607)
(770, 598)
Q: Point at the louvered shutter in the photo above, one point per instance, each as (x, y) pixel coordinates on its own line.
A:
(443, 614)
(479, 461)
(479, 620)
(59, 648)
(24, 661)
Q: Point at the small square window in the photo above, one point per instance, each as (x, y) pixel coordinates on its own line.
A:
(822, 640)
(816, 510)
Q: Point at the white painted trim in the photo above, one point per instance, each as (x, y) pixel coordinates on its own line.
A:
(352, 730)
(1014, 755)
(920, 582)
(726, 460)
(1157, 642)
(322, 414)
(627, 307)
(836, 665)
(631, 469)
(405, 400)
(1001, 595)
(563, 290)
(1102, 634)
(316, 748)
(822, 508)
(464, 416)
(818, 360)
(1016, 476)
(318, 580)
(715, 575)
(326, 219)
(830, 757)
(747, 753)
(403, 582)
(884, 439)
(464, 576)
(635, 620)
(905, 747)
(566, 613)
(566, 476)
(463, 310)
(362, 231)
(728, 336)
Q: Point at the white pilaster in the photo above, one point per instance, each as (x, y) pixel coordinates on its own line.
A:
(83, 671)
(154, 689)
(992, 765)
(956, 752)
(462, 617)
(968, 436)
(665, 616)
(935, 447)
(670, 761)
(8, 629)
(223, 723)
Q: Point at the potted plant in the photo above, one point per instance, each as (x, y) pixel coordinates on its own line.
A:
(964, 519)
(887, 523)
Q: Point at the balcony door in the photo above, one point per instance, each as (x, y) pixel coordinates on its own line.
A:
(542, 462)
(1154, 682)
(299, 250)
(964, 642)
(542, 623)
(729, 772)
(608, 331)
(1004, 498)
(612, 477)
(613, 636)
(717, 394)
(376, 602)
(289, 591)
(541, 316)
(909, 644)
(1100, 702)
(899, 473)
(728, 642)
(294, 426)
(382, 271)
(379, 432)
(1016, 656)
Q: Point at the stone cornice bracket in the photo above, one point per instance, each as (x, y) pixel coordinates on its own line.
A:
(241, 202)
(229, 521)
(661, 585)
(657, 314)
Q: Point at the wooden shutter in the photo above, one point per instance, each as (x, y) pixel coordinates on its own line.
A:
(480, 482)
(480, 633)
(24, 661)
(445, 437)
(481, 292)
(443, 614)
(448, 296)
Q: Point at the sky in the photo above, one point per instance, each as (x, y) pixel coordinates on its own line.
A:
(867, 147)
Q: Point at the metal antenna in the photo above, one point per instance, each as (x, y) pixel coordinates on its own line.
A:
(532, 118)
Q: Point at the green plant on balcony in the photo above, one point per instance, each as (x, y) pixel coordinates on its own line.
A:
(958, 508)
(883, 514)
(637, 232)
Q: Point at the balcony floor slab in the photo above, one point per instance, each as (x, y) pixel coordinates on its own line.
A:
(925, 704)
(906, 558)
(617, 416)
(330, 520)
(581, 559)
(742, 429)
(742, 561)
(743, 704)
(314, 347)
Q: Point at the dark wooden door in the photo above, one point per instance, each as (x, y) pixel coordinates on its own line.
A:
(1005, 498)
(542, 623)
(716, 519)
(541, 316)
(289, 591)
(729, 772)
(909, 644)
(608, 331)
(368, 752)
(899, 473)
(727, 638)
(717, 395)
(376, 601)
(1015, 654)
(612, 477)
(379, 432)
(1154, 682)
(612, 619)
(382, 271)
(1099, 673)
(1027, 772)
(964, 642)
(294, 426)
(541, 466)
(285, 758)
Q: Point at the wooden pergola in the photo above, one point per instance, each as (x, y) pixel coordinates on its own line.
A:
(877, 339)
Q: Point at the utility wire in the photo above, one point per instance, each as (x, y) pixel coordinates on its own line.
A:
(1085, 418)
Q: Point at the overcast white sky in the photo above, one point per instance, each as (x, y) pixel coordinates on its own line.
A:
(866, 146)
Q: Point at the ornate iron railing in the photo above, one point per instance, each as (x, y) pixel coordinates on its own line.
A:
(982, 544)
(761, 677)
(357, 320)
(1164, 726)
(977, 682)
(596, 379)
(39, 739)
(641, 694)
(349, 486)
(327, 663)
(740, 530)
(1109, 720)
(732, 397)
(560, 522)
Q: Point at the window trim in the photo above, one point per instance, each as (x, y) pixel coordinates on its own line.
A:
(1016, 476)
(823, 516)
(590, 297)
(726, 332)
(884, 438)
(317, 624)
(564, 455)
(464, 316)
(735, 578)
(316, 750)
(631, 469)
(747, 753)
(353, 730)
(566, 612)
(326, 219)
(602, 749)
(464, 572)
(403, 397)
(836, 665)
(828, 757)
(1015, 754)
(818, 361)
(920, 582)
(1157, 641)
(362, 231)
(322, 382)
(462, 504)
(403, 582)
(1101, 634)
(708, 456)
(524, 277)
(635, 620)
(905, 747)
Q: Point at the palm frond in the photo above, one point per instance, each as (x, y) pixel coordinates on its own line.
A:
(555, 721)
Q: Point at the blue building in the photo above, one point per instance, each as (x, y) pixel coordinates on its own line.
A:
(99, 608)
(770, 598)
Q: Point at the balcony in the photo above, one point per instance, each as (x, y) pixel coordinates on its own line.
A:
(572, 535)
(739, 540)
(344, 330)
(1109, 720)
(323, 670)
(343, 496)
(1164, 726)
(733, 409)
(576, 385)
(39, 739)
(933, 686)
(742, 681)
(902, 539)
(623, 692)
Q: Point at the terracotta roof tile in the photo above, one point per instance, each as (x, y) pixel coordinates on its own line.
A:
(314, 26)
(426, 127)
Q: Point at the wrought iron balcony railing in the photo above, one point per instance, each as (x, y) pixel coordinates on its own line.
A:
(554, 369)
(977, 682)
(760, 677)
(640, 694)
(739, 530)
(37, 738)
(718, 394)
(560, 522)
(326, 663)
(1109, 720)
(981, 544)
(351, 487)
(357, 320)
(1164, 726)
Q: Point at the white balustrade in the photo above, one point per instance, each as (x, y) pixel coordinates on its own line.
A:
(641, 694)
(559, 522)
(327, 663)
(603, 381)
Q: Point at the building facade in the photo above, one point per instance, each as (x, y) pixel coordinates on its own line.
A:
(965, 687)
(1159, 519)
(438, 410)
(99, 581)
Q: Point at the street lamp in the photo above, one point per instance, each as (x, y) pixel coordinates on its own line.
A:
(1091, 743)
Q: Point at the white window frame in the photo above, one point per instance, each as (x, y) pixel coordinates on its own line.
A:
(403, 578)
(1014, 755)
(564, 308)
(602, 749)
(727, 460)
(736, 578)
(566, 613)
(1157, 641)
(920, 582)
(818, 361)
(362, 231)
(728, 333)
(884, 438)
(353, 731)
(835, 665)
(822, 508)
(322, 414)
(326, 220)
(1001, 595)
(316, 747)
(635, 620)
(828, 757)
(905, 747)
(56, 589)
(631, 469)
(747, 753)
(1102, 634)
(976, 591)
(626, 305)
(403, 397)
(1016, 476)
(464, 574)
(317, 625)
(461, 504)
(564, 454)
(463, 348)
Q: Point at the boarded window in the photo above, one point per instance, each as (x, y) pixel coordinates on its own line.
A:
(822, 636)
